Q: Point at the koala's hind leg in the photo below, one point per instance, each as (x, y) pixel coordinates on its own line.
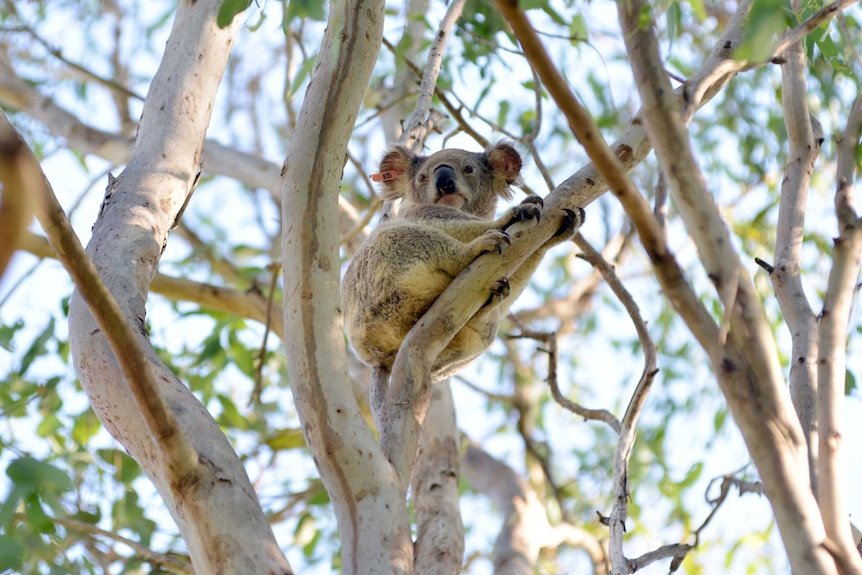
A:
(378, 387)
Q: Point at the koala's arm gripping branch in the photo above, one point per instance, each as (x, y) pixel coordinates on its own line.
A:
(409, 391)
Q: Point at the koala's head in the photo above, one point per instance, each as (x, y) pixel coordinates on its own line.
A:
(468, 181)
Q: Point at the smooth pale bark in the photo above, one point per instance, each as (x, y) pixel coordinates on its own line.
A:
(436, 500)
(786, 274)
(218, 515)
(831, 370)
(367, 497)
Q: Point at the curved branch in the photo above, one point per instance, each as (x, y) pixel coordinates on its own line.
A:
(250, 303)
(217, 158)
(172, 562)
(628, 426)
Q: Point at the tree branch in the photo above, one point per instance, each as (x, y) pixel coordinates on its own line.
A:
(172, 562)
(750, 367)
(804, 135)
(628, 427)
(549, 339)
(367, 496)
(140, 206)
(831, 372)
(218, 159)
(436, 499)
(414, 134)
(250, 303)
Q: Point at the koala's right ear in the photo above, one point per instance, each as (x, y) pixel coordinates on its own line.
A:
(396, 170)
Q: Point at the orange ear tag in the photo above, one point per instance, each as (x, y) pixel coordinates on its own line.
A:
(384, 176)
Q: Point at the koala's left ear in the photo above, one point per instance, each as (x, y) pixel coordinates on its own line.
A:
(505, 163)
(396, 171)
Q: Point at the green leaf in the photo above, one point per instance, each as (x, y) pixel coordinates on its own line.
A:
(127, 469)
(827, 47)
(37, 517)
(86, 426)
(241, 355)
(302, 74)
(16, 494)
(127, 512)
(38, 476)
(212, 346)
(11, 554)
(698, 9)
(692, 475)
(230, 415)
(313, 9)
(229, 9)
(503, 113)
(767, 19)
(7, 333)
(286, 439)
(578, 29)
(49, 425)
(849, 383)
(674, 20)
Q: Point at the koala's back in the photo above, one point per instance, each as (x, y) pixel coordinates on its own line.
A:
(402, 268)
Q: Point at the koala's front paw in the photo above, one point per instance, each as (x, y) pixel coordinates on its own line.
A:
(493, 241)
(528, 210)
(572, 220)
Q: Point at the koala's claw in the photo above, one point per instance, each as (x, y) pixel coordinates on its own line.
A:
(570, 222)
(534, 200)
(526, 211)
(495, 241)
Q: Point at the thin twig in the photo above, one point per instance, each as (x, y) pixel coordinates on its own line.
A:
(628, 425)
(413, 135)
(261, 354)
(171, 561)
(549, 339)
(798, 33)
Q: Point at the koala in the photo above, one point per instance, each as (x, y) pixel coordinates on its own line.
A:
(446, 220)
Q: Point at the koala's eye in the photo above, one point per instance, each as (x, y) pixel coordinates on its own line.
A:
(468, 169)
(423, 178)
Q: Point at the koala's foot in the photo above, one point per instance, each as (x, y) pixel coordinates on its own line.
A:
(499, 291)
(530, 209)
(491, 241)
(572, 220)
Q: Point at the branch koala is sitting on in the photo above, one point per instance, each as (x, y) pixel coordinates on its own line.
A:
(445, 222)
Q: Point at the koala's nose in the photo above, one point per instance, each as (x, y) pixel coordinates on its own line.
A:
(444, 180)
